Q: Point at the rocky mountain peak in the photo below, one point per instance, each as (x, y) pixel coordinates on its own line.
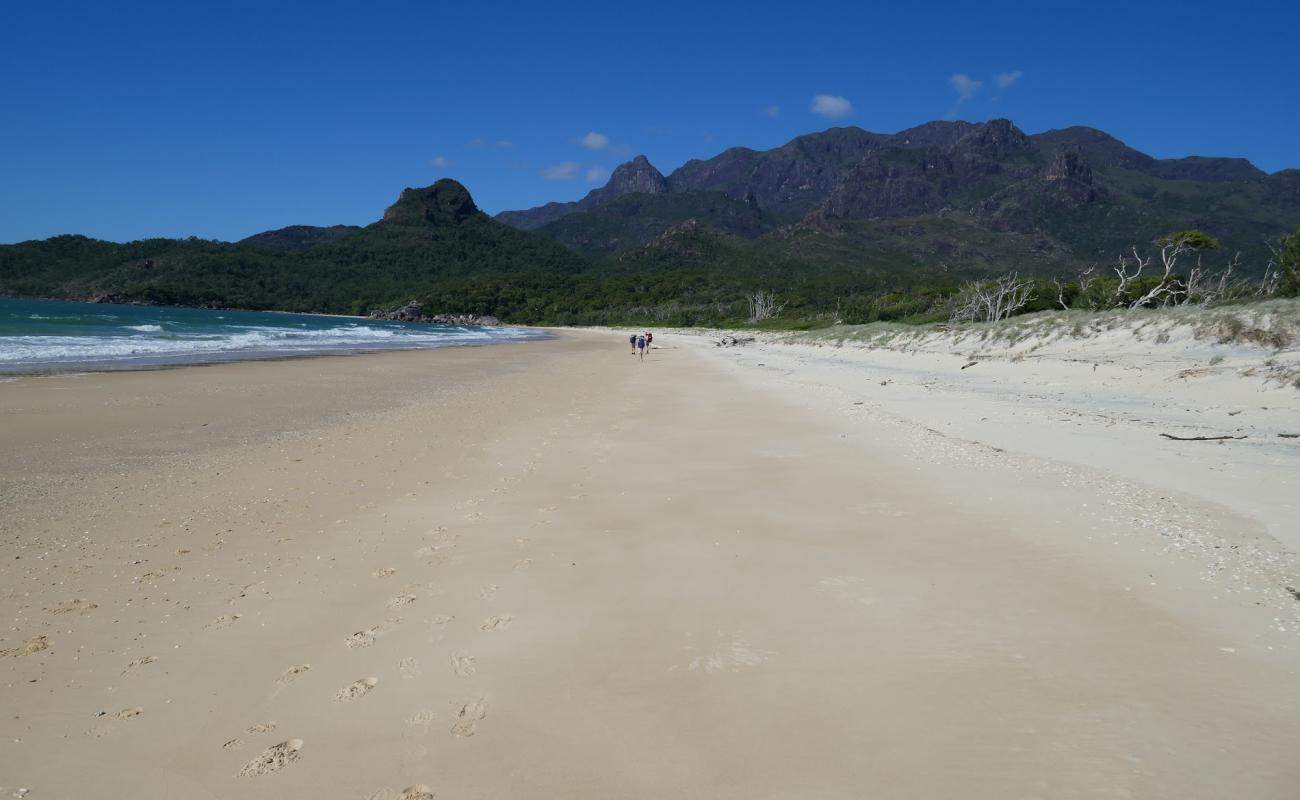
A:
(446, 201)
(997, 138)
(637, 175)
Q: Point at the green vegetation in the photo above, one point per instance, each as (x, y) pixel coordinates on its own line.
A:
(1288, 265)
(435, 246)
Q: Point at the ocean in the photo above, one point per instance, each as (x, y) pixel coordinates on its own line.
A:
(59, 336)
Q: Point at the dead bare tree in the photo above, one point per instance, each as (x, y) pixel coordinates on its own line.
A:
(1128, 274)
(1207, 289)
(1168, 289)
(1087, 278)
(1060, 294)
(989, 301)
(763, 306)
(1269, 283)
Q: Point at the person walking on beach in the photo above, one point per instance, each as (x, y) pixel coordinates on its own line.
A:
(649, 339)
(632, 340)
(640, 346)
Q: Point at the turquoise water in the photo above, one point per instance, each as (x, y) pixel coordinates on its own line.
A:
(56, 335)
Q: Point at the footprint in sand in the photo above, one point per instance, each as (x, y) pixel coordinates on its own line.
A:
(487, 591)
(71, 606)
(362, 638)
(401, 600)
(462, 664)
(139, 662)
(30, 647)
(383, 573)
(355, 689)
(225, 620)
(291, 674)
(100, 731)
(233, 744)
(261, 727)
(523, 564)
(418, 723)
(273, 759)
(409, 667)
(496, 622)
(468, 717)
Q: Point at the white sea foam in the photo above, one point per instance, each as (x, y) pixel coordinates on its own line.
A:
(44, 351)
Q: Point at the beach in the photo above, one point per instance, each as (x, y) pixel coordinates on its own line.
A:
(547, 569)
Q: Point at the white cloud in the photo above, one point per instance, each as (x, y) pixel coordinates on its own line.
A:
(831, 106)
(596, 174)
(505, 144)
(440, 161)
(772, 111)
(564, 171)
(594, 141)
(965, 86)
(1005, 80)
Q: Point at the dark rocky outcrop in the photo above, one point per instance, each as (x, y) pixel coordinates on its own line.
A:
(446, 201)
(786, 182)
(893, 184)
(414, 312)
(1070, 177)
(635, 176)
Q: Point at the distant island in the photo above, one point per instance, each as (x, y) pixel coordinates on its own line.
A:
(842, 225)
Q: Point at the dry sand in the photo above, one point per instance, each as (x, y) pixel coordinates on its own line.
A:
(547, 570)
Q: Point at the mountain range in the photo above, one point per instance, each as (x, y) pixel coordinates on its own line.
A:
(883, 225)
(1083, 194)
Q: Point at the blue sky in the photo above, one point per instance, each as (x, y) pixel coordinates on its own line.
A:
(129, 120)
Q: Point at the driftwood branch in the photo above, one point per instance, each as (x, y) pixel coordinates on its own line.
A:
(1199, 438)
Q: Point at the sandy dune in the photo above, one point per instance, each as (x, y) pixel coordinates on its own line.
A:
(547, 570)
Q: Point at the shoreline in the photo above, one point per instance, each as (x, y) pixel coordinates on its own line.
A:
(706, 576)
(185, 336)
(240, 358)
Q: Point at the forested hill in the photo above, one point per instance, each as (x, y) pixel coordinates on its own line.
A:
(432, 240)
